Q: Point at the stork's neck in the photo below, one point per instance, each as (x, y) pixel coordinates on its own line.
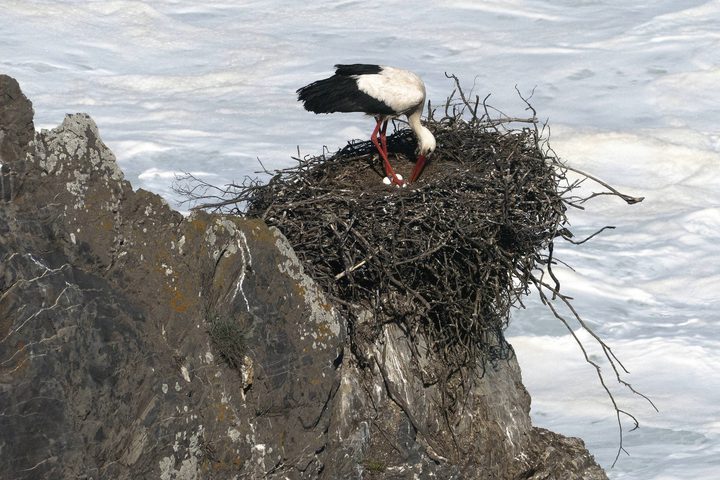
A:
(425, 138)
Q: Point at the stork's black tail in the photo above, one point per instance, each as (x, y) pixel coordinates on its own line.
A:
(340, 93)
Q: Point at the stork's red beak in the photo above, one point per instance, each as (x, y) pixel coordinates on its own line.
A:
(419, 165)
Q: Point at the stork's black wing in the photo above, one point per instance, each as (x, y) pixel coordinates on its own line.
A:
(340, 93)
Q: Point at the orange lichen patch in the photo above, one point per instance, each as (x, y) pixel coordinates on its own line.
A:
(178, 291)
(177, 285)
(222, 412)
(196, 233)
(199, 225)
(106, 224)
(232, 465)
(255, 225)
(323, 330)
(259, 230)
(178, 302)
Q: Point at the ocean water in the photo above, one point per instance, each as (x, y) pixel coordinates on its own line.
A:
(629, 89)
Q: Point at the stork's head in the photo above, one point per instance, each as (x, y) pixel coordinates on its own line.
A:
(426, 141)
(426, 145)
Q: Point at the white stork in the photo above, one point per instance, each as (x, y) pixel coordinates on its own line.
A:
(380, 91)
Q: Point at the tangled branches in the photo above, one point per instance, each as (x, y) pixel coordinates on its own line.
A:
(445, 258)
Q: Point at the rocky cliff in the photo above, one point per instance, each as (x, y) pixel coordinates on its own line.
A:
(113, 362)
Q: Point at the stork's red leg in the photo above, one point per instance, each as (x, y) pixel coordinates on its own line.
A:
(374, 138)
(383, 152)
(383, 137)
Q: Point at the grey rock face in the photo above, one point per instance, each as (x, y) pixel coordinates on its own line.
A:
(16, 120)
(107, 369)
(16, 130)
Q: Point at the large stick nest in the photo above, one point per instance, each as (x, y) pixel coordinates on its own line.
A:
(445, 257)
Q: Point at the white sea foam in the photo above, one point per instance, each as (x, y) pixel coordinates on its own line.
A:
(681, 441)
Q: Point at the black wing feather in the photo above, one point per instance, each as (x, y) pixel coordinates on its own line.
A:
(340, 93)
(357, 69)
